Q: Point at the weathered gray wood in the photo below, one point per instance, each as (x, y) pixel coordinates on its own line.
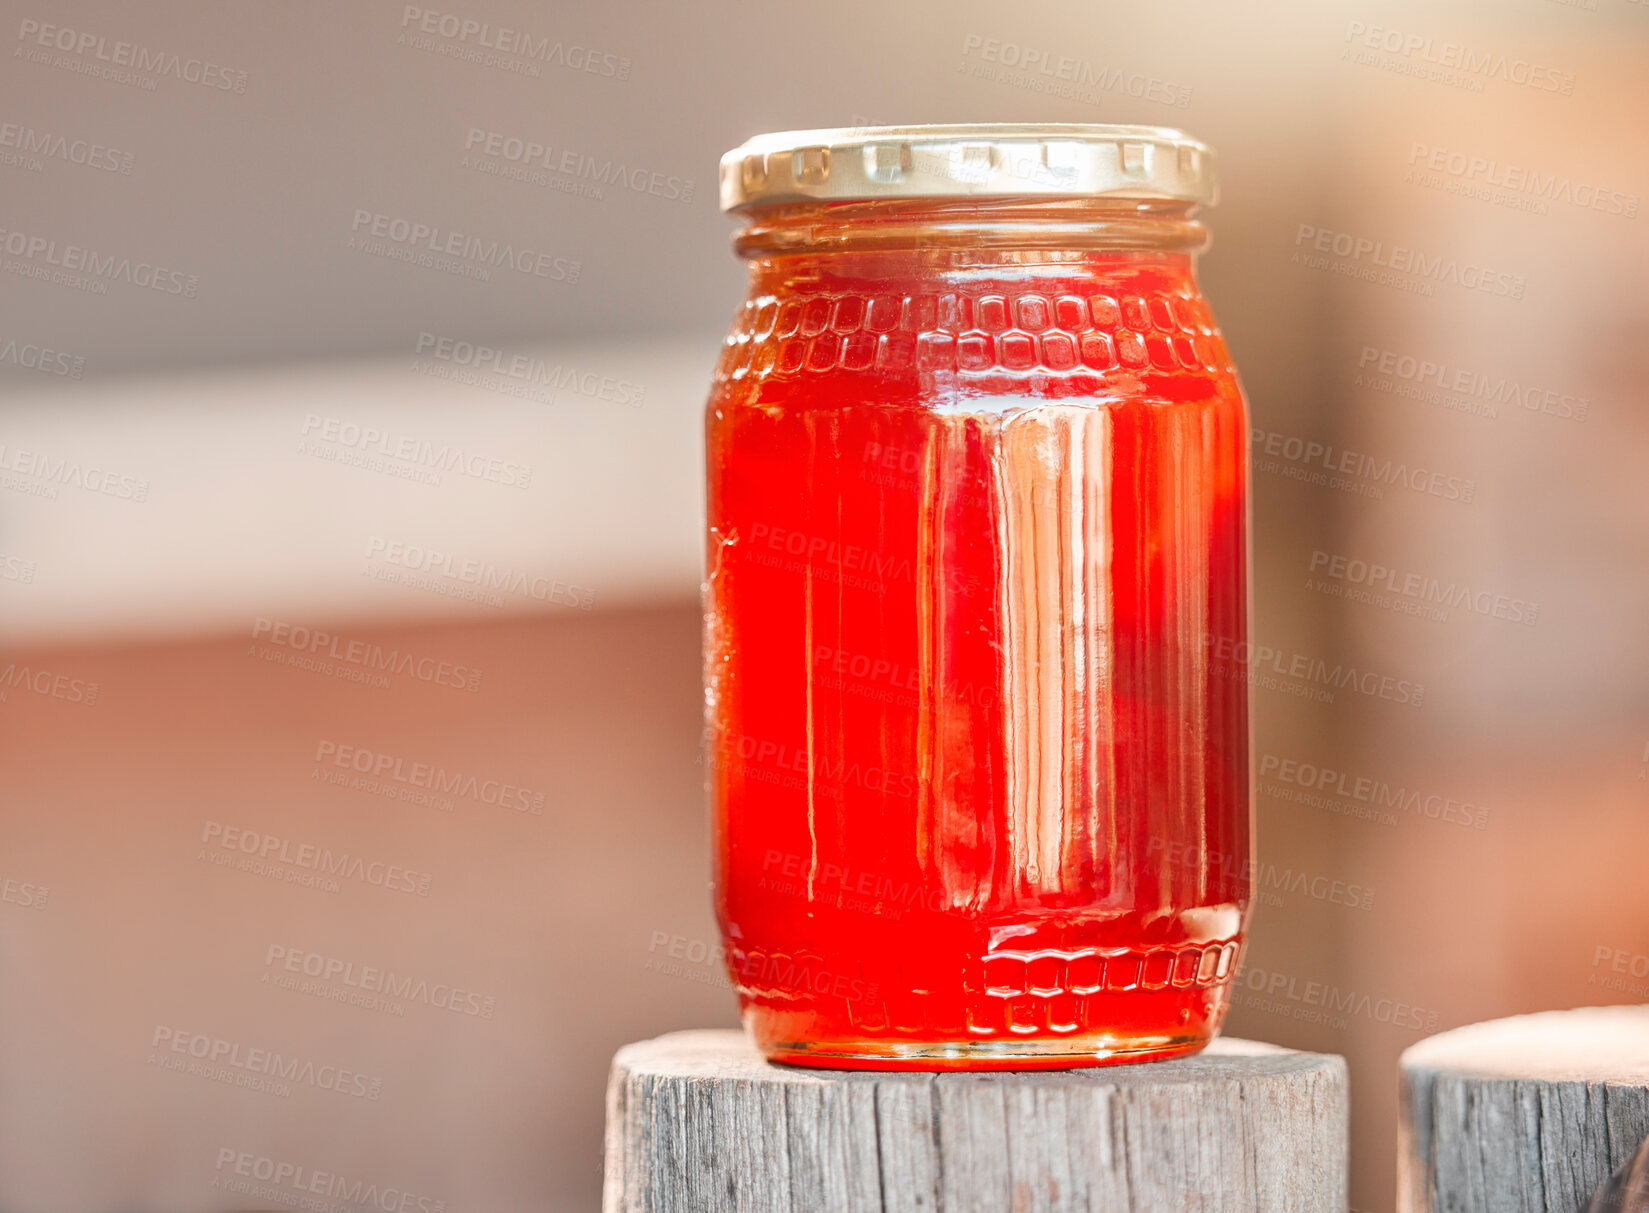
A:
(1528, 1114)
(1627, 1190)
(698, 1122)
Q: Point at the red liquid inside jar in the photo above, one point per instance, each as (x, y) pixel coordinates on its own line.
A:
(976, 583)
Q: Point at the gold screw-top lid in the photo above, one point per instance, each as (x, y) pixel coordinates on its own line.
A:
(991, 160)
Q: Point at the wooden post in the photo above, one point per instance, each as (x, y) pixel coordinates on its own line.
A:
(1531, 1113)
(698, 1122)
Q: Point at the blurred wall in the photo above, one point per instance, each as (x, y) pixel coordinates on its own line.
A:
(389, 931)
(1427, 259)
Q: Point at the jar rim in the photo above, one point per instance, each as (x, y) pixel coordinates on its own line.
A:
(983, 160)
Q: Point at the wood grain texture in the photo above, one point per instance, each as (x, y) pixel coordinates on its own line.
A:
(698, 1122)
(1528, 1114)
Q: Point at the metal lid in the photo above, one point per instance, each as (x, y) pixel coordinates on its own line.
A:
(991, 160)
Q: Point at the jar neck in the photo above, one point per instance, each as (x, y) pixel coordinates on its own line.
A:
(999, 230)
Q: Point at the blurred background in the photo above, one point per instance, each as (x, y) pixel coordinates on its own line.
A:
(258, 446)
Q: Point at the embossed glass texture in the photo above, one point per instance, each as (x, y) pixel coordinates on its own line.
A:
(975, 612)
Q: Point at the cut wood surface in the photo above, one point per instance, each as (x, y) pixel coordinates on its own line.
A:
(699, 1122)
(1529, 1114)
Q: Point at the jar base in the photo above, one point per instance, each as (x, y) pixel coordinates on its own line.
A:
(1063, 1054)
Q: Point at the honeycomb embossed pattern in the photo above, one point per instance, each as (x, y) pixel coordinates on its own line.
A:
(962, 333)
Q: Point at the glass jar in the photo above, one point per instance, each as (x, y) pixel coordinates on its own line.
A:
(975, 600)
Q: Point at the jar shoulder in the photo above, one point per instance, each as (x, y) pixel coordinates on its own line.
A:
(1094, 338)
